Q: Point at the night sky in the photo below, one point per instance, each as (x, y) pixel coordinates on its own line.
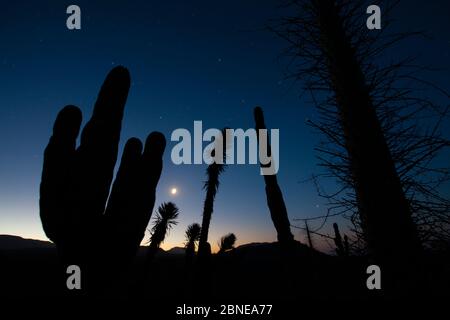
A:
(189, 60)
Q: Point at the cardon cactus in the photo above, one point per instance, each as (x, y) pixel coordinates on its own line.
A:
(96, 229)
(341, 247)
(274, 195)
(308, 235)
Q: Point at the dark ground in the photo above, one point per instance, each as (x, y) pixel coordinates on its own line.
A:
(256, 272)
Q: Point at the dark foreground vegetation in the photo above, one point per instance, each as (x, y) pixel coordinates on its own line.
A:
(252, 272)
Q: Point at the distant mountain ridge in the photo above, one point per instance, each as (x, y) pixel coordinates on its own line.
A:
(254, 250)
(176, 250)
(9, 242)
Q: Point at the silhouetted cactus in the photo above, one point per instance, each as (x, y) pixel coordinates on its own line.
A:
(383, 207)
(341, 247)
(274, 195)
(165, 219)
(308, 234)
(211, 186)
(227, 242)
(346, 245)
(192, 236)
(76, 182)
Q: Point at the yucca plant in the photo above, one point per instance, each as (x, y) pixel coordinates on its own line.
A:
(166, 218)
(211, 186)
(192, 236)
(227, 243)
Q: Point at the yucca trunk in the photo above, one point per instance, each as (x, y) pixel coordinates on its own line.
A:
(207, 213)
(208, 207)
(190, 252)
(384, 210)
(156, 240)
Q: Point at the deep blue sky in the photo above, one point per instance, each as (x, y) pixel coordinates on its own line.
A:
(189, 60)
